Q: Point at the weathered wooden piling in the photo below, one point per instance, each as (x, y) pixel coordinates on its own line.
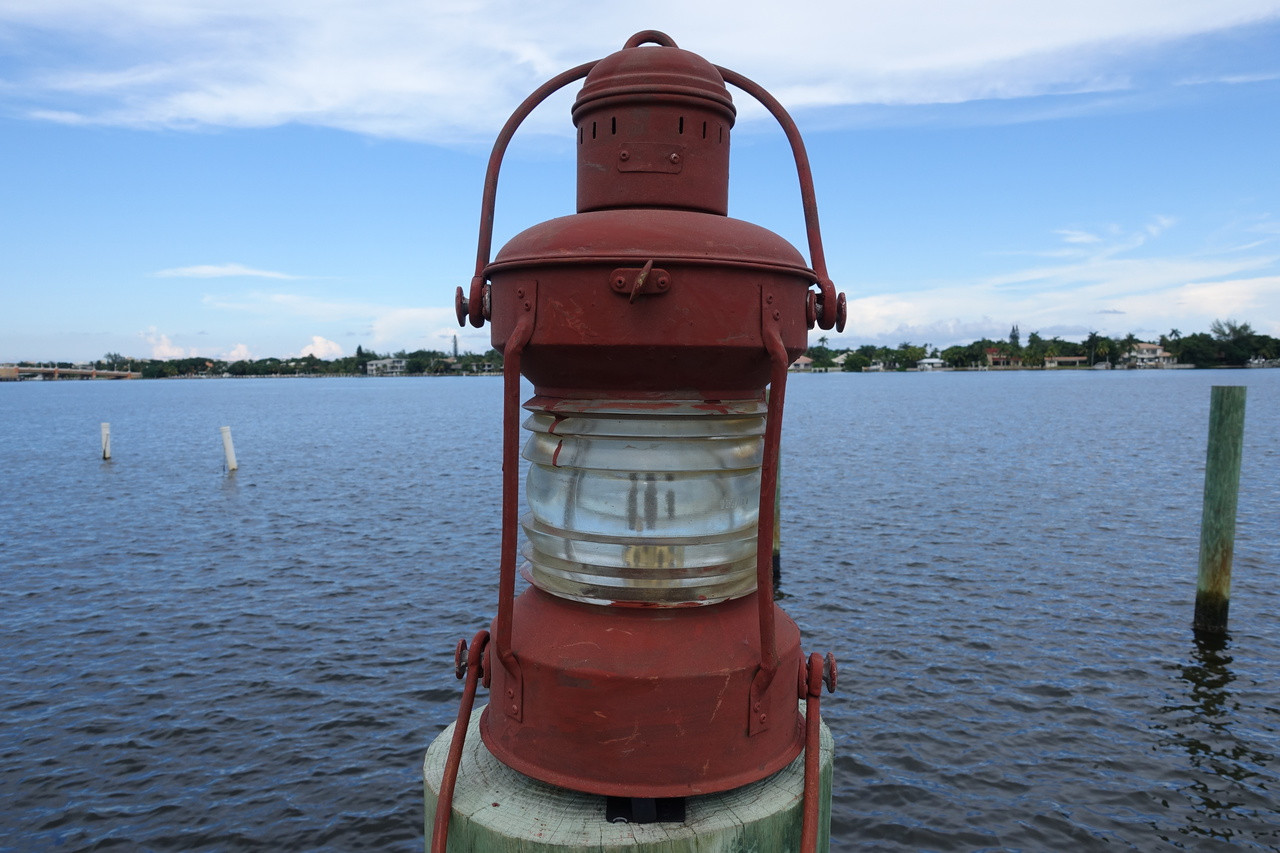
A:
(229, 449)
(106, 441)
(1218, 520)
(496, 809)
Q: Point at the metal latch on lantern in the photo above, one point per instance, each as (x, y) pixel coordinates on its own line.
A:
(646, 281)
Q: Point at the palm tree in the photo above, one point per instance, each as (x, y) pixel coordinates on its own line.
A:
(1129, 344)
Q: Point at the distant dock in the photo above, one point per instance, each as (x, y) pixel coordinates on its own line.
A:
(14, 373)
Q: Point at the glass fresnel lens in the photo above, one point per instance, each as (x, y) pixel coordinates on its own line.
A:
(643, 502)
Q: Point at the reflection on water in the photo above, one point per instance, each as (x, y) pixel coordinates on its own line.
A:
(1226, 782)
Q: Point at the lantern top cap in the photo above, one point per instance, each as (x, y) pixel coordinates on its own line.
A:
(650, 64)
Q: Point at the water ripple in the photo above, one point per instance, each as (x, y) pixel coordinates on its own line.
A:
(191, 661)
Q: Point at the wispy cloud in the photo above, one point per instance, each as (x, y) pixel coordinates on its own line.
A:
(395, 326)
(296, 305)
(1231, 79)
(1113, 278)
(1070, 235)
(452, 73)
(221, 271)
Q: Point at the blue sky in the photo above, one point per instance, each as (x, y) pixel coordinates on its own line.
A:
(255, 178)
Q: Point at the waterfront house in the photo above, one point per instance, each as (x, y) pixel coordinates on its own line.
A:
(1065, 360)
(1147, 355)
(386, 367)
(995, 358)
(803, 363)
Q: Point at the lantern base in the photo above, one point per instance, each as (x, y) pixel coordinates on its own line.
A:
(498, 809)
(643, 702)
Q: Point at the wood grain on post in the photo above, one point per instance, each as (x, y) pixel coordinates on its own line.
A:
(1218, 521)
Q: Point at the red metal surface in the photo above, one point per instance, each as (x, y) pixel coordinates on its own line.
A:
(472, 669)
(644, 702)
(702, 339)
(526, 294)
(812, 755)
(761, 683)
(648, 293)
(653, 130)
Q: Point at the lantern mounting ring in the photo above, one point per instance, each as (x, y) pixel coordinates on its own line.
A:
(650, 37)
(643, 281)
(477, 308)
(827, 309)
(460, 655)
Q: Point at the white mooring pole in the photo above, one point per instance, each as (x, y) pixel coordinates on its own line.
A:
(229, 448)
(106, 441)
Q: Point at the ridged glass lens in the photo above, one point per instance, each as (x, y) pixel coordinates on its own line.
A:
(643, 502)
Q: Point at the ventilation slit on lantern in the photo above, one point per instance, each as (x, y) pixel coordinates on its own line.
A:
(640, 503)
(579, 135)
(593, 130)
(682, 124)
(613, 125)
(704, 130)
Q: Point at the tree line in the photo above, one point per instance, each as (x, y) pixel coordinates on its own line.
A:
(1226, 344)
(420, 362)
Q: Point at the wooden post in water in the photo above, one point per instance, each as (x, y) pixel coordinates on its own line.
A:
(229, 449)
(497, 810)
(1218, 521)
(106, 441)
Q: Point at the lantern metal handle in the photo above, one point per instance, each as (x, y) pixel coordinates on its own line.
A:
(475, 306)
(828, 309)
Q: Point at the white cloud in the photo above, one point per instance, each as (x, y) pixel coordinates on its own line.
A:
(240, 352)
(162, 347)
(322, 348)
(402, 68)
(1102, 285)
(220, 271)
(416, 328)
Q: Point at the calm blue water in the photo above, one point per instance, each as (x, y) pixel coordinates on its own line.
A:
(1003, 562)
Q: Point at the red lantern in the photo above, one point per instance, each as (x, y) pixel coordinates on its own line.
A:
(647, 658)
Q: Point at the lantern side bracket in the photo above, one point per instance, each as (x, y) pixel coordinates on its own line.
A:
(527, 302)
(771, 332)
